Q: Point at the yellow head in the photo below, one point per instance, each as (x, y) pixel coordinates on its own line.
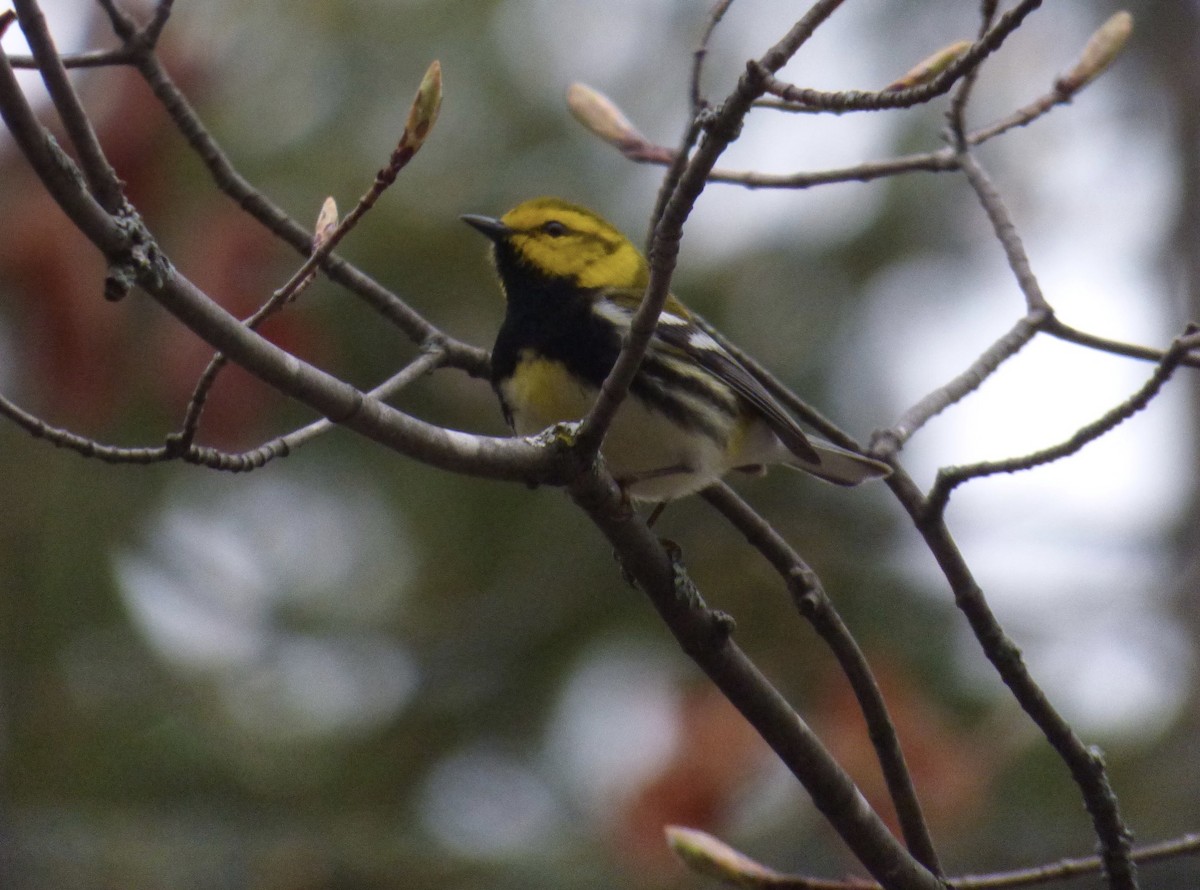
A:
(556, 239)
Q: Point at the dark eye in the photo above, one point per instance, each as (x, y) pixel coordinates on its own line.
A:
(554, 229)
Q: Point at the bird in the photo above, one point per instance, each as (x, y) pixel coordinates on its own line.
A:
(571, 283)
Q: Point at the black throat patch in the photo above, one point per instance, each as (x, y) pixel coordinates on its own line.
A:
(552, 318)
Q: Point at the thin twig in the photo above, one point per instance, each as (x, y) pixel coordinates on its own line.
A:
(134, 42)
(1185, 845)
(1006, 232)
(705, 636)
(63, 438)
(212, 458)
(949, 478)
(814, 604)
(154, 28)
(101, 178)
(1022, 117)
(121, 22)
(722, 129)
(701, 53)
(886, 442)
(940, 161)
(1055, 327)
(675, 167)
(962, 95)
(225, 176)
(100, 58)
(706, 854)
(783, 51)
(1100, 50)
(1086, 764)
(858, 100)
(285, 445)
(421, 118)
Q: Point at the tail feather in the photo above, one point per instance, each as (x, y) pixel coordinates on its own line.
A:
(840, 466)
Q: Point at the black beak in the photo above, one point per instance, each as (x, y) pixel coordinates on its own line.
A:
(493, 228)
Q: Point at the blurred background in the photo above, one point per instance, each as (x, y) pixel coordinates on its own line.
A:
(349, 670)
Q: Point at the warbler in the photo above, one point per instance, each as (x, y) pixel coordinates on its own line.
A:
(693, 412)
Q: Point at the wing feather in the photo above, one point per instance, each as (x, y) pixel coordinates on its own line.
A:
(678, 334)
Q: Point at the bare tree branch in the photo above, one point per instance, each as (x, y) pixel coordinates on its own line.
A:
(857, 100)
(1086, 764)
(701, 53)
(458, 355)
(721, 130)
(706, 854)
(134, 248)
(949, 478)
(83, 445)
(423, 113)
(565, 455)
(887, 442)
(1006, 232)
(101, 58)
(814, 604)
(1055, 327)
(57, 172)
(102, 180)
(705, 636)
(962, 95)
(212, 458)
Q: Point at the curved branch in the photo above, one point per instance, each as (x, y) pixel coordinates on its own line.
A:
(100, 58)
(494, 458)
(128, 240)
(814, 604)
(721, 130)
(53, 167)
(1055, 327)
(886, 442)
(705, 636)
(858, 100)
(706, 854)
(63, 438)
(460, 355)
(101, 178)
(212, 458)
(1086, 764)
(701, 53)
(1006, 232)
(949, 478)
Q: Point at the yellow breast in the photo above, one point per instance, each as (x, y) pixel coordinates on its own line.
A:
(541, 392)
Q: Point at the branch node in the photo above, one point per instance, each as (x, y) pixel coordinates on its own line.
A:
(118, 282)
(723, 625)
(174, 445)
(139, 261)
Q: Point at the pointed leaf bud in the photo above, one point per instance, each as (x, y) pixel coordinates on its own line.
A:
(421, 117)
(601, 115)
(929, 68)
(327, 222)
(426, 105)
(1099, 52)
(704, 854)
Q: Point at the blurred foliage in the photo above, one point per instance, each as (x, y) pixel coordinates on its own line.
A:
(141, 747)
